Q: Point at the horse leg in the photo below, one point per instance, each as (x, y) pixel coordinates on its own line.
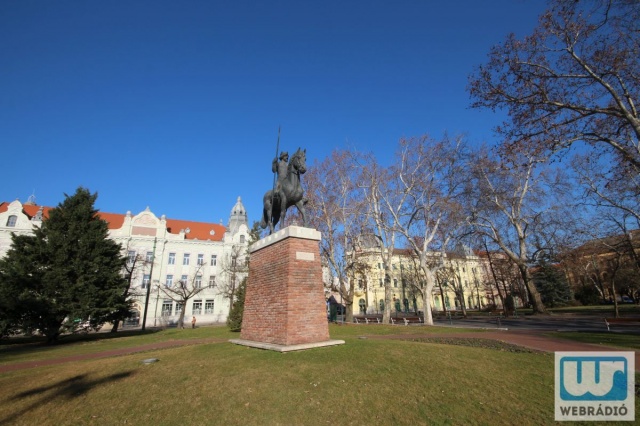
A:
(283, 209)
(273, 219)
(300, 205)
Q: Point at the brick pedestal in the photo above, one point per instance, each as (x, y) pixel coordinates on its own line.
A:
(284, 306)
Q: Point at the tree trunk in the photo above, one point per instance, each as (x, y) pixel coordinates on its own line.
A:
(444, 305)
(348, 311)
(536, 300)
(428, 317)
(116, 324)
(495, 278)
(181, 317)
(386, 314)
(461, 299)
(616, 311)
(505, 294)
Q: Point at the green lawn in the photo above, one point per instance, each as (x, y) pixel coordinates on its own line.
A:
(21, 350)
(616, 340)
(626, 310)
(365, 381)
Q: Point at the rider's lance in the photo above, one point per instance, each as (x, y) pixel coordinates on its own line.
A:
(275, 173)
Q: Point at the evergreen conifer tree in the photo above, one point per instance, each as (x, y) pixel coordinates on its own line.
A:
(551, 283)
(66, 273)
(234, 321)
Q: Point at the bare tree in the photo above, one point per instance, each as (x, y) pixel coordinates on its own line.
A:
(234, 267)
(512, 199)
(136, 264)
(617, 196)
(427, 178)
(574, 79)
(383, 203)
(335, 209)
(184, 290)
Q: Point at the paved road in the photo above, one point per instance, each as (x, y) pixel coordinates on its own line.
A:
(563, 322)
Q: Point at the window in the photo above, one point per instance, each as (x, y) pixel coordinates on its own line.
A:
(198, 282)
(183, 280)
(131, 257)
(11, 221)
(197, 307)
(172, 258)
(395, 282)
(167, 307)
(379, 265)
(178, 308)
(212, 281)
(201, 259)
(208, 306)
(381, 283)
(169, 281)
(241, 239)
(214, 259)
(394, 266)
(145, 280)
(149, 257)
(360, 284)
(185, 259)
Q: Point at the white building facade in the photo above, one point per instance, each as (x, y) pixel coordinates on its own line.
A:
(162, 253)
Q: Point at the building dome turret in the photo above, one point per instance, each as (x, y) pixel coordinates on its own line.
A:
(238, 217)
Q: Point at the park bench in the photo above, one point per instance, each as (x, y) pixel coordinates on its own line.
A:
(406, 320)
(366, 320)
(621, 321)
(412, 320)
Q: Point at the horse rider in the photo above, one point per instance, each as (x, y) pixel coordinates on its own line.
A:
(280, 167)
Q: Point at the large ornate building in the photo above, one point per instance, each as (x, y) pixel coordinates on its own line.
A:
(464, 278)
(162, 253)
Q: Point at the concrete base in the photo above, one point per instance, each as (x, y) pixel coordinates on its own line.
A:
(286, 348)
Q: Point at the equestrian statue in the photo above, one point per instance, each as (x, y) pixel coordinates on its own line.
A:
(287, 190)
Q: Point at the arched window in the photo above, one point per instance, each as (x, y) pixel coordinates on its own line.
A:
(363, 306)
(11, 221)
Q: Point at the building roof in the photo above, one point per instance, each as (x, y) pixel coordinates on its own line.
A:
(197, 230)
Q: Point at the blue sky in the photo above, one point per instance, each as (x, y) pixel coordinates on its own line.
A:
(176, 105)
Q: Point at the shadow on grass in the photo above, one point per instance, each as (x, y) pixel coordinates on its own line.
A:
(20, 345)
(71, 388)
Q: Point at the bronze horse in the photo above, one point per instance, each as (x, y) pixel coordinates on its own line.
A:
(275, 205)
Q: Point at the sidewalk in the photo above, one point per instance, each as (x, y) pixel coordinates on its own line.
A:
(527, 339)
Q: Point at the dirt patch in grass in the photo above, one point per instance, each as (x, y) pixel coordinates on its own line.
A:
(475, 343)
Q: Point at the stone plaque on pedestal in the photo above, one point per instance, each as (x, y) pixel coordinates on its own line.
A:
(285, 308)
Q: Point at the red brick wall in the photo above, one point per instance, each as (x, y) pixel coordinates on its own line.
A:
(284, 301)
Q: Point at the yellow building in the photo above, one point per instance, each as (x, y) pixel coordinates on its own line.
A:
(461, 282)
